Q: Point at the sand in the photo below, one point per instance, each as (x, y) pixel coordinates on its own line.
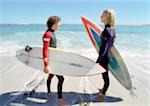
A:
(14, 75)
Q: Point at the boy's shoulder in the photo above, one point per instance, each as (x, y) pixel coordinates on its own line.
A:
(47, 34)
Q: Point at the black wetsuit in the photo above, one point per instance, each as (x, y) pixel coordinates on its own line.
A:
(50, 40)
(107, 39)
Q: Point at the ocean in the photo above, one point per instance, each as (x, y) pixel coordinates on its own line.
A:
(133, 42)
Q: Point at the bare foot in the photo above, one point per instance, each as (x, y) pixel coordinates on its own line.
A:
(62, 103)
(101, 97)
(100, 90)
(49, 93)
(84, 104)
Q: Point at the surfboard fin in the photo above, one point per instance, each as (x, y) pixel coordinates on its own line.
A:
(28, 48)
(132, 93)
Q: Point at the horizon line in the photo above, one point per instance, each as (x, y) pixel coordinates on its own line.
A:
(70, 24)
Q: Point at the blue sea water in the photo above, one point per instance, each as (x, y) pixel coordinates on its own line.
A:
(73, 36)
(133, 42)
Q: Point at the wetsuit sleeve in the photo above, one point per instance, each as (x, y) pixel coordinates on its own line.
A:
(46, 41)
(106, 45)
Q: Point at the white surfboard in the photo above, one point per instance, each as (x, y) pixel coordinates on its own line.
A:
(61, 62)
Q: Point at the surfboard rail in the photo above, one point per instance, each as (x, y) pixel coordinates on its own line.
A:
(116, 65)
(61, 62)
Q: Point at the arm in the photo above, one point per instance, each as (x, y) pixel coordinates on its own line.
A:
(106, 46)
(107, 42)
(46, 40)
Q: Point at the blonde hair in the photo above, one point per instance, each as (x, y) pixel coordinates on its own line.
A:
(110, 17)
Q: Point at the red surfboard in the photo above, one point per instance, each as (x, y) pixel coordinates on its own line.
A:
(116, 65)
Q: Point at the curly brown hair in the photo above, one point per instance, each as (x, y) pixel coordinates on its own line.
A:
(52, 20)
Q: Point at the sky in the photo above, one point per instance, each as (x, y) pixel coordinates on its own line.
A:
(128, 12)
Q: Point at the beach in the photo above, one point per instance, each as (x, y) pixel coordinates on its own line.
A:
(132, 42)
(75, 89)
